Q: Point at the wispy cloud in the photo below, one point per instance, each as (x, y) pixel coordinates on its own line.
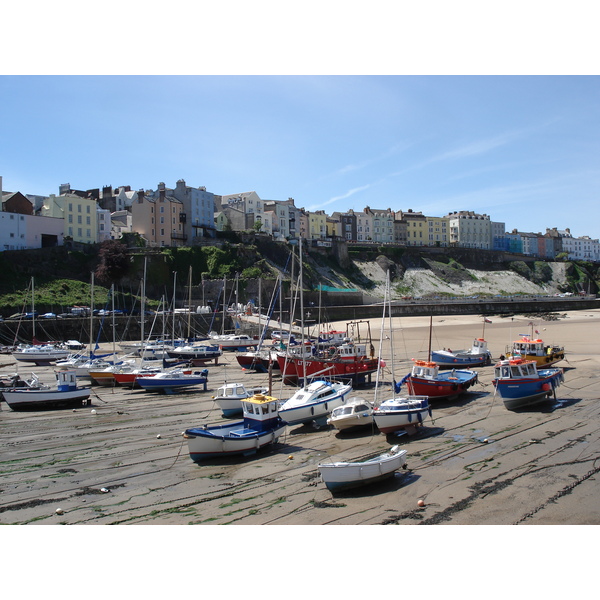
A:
(352, 167)
(349, 193)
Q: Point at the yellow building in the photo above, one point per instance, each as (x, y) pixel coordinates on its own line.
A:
(80, 215)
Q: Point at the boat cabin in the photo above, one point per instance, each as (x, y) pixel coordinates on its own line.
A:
(67, 380)
(333, 337)
(350, 351)
(350, 409)
(479, 346)
(260, 412)
(426, 369)
(515, 369)
(231, 390)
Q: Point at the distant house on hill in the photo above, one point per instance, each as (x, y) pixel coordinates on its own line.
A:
(21, 229)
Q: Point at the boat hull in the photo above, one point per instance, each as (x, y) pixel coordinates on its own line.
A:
(344, 476)
(526, 392)
(229, 440)
(454, 360)
(401, 414)
(31, 399)
(357, 371)
(351, 421)
(444, 386)
(541, 361)
(168, 385)
(313, 410)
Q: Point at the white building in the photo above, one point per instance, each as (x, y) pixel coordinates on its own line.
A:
(470, 230)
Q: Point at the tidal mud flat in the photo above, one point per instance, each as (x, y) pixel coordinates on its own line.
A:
(123, 460)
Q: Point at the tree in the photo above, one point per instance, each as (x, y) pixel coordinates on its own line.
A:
(114, 262)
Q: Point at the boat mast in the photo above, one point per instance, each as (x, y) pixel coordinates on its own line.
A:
(430, 328)
(301, 284)
(174, 288)
(92, 316)
(112, 294)
(143, 303)
(387, 283)
(33, 310)
(189, 303)
(224, 307)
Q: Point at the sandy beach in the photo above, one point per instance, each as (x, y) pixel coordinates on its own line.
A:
(474, 463)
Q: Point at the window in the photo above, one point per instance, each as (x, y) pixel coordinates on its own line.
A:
(79, 219)
(70, 218)
(79, 208)
(87, 220)
(87, 209)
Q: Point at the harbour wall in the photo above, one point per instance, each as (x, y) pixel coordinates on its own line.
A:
(129, 328)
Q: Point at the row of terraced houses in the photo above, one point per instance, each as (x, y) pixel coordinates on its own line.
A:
(185, 215)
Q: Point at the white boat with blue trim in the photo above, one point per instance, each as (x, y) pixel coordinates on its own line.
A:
(477, 355)
(261, 427)
(314, 402)
(66, 393)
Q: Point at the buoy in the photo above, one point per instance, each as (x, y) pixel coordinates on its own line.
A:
(421, 503)
(290, 457)
(158, 437)
(93, 411)
(105, 490)
(59, 511)
(485, 441)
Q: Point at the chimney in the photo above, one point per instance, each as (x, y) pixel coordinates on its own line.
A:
(140, 196)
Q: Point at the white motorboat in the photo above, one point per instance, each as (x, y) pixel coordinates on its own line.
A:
(342, 476)
(170, 382)
(67, 393)
(195, 351)
(41, 355)
(261, 426)
(233, 342)
(357, 412)
(314, 402)
(229, 397)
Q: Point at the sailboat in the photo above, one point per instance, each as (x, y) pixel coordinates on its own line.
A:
(38, 353)
(400, 413)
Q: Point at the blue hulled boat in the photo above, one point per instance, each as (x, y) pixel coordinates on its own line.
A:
(520, 384)
(261, 426)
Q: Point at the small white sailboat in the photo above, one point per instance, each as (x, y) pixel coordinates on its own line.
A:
(400, 413)
(342, 476)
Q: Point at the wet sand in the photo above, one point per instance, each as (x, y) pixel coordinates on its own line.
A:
(474, 463)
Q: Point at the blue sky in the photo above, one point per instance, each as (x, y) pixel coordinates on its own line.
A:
(524, 149)
(422, 131)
